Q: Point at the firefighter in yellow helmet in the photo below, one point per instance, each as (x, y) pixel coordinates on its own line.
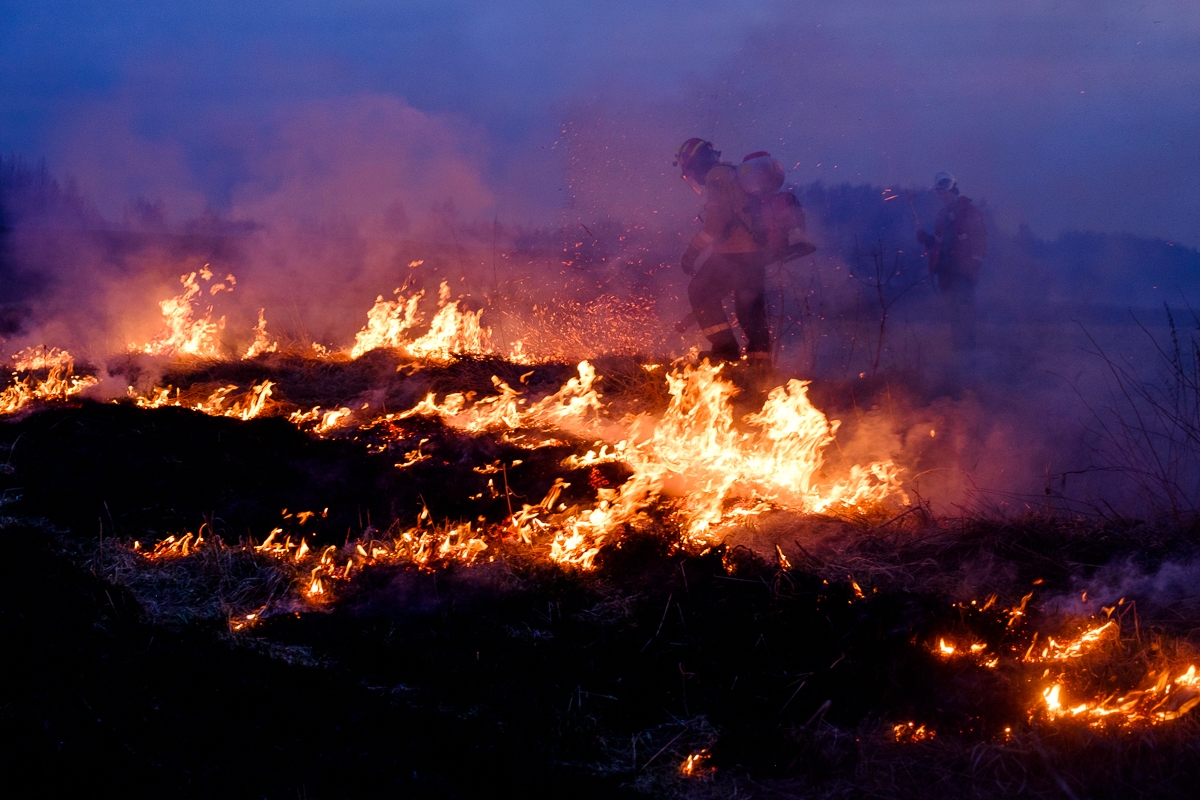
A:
(724, 257)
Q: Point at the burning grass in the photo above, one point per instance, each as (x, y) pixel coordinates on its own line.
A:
(795, 679)
(646, 577)
(188, 578)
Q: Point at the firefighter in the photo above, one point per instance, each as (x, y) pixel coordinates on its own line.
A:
(724, 257)
(956, 249)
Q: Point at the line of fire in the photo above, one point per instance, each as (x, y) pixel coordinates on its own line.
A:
(671, 573)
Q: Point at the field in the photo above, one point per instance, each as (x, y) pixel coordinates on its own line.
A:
(440, 611)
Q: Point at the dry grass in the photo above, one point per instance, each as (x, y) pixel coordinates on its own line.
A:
(1038, 758)
(215, 582)
(906, 569)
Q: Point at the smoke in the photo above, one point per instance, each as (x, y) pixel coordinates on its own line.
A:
(138, 180)
(372, 159)
(335, 195)
(339, 191)
(1164, 590)
(531, 168)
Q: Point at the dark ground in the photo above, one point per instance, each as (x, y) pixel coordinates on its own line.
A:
(521, 677)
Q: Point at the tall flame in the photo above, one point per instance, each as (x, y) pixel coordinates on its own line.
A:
(184, 333)
(697, 450)
(387, 322)
(452, 331)
(696, 453)
(262, 342)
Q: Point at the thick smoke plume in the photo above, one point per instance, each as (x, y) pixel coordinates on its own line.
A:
(569, 237)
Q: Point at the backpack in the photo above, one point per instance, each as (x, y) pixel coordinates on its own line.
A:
(776, 218)
(778, 227)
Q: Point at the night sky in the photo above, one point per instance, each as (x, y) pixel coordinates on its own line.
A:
(1067, 115)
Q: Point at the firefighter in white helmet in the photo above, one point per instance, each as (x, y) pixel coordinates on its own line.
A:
(956, 249)
(724, 257)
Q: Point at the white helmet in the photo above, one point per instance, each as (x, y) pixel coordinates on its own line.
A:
(759, 174)
(944, 181)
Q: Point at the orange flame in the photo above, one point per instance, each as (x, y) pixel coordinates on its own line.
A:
(911, 732)
(694, 765)
(387, 322)
(253, 404)
(59, 384)
(696, 450)
(262, 342)
(452, 331)
(184, 333)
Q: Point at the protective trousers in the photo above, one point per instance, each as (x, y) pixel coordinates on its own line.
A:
(958, 293)
(744, 274)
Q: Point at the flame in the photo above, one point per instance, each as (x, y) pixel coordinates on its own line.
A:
(173, 547)
(1076, 647)
(419, 547)
(569, 407)
(452, 331)
(244, 622)
(387, 322)
(976, 651)
(517, 354)
(183, 332)
(42, 357)
(720, 473)
(332, 419)
(717, 472)
(708, 468)
(60, 382)
(1159, 700)
(316, 587)
(262, 342)
(911, 732)
(694, 765)
(254, 403)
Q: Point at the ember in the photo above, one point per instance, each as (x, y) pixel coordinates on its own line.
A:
(694, 766)
(573, 472)
(444, 400)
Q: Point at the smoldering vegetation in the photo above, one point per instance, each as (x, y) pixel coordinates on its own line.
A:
(1033, 412)
(1048, 472)
(802, 657)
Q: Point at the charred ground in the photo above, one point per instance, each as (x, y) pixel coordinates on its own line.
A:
(789, 654)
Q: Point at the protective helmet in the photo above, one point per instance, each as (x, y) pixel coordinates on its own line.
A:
(944, 181)
(691, 157)
(759, 174)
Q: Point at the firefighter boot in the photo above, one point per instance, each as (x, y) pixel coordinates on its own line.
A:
(722, 347)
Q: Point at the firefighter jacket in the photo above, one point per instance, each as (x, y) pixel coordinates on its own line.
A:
(727, 223)
(959, 240)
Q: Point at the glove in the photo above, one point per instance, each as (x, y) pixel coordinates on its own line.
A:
(688, 262)
(925, 239)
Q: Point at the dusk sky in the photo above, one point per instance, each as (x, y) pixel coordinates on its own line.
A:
(1067, 115)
